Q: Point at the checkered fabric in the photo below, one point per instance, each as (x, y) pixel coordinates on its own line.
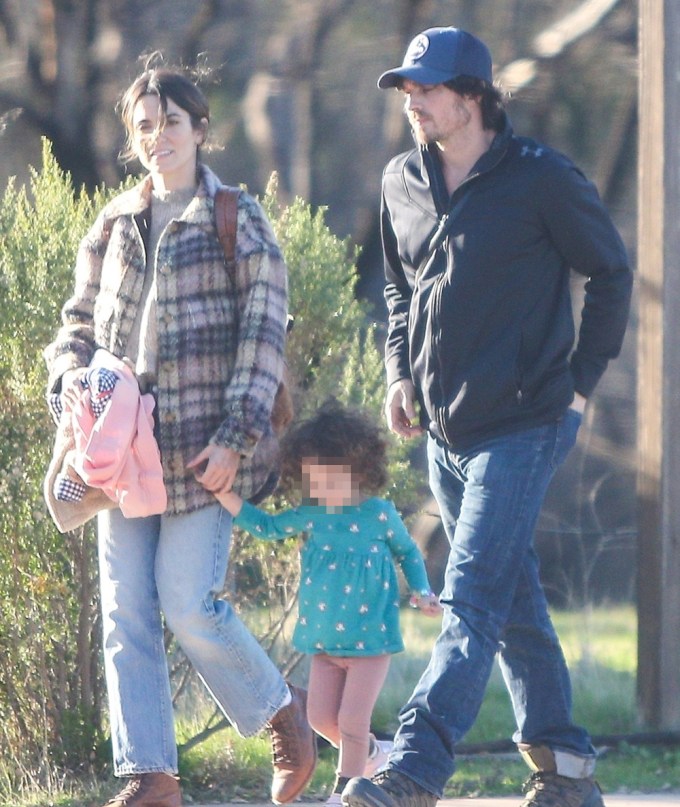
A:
(67, 489)
(101, 383)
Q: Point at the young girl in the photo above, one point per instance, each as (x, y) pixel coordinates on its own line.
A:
(349, 596)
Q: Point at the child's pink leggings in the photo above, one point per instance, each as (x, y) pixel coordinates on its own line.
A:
(342, 692)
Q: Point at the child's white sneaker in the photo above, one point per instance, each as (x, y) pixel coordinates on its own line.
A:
(377, 756)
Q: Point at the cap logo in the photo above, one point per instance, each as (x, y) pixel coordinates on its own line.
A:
(417, 49)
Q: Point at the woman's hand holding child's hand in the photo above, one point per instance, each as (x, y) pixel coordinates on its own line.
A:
(230, 501)
(215, 467)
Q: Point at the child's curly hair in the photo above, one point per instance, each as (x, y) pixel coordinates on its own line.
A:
(337, 434)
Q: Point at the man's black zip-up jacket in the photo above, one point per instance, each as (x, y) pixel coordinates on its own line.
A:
(483, 325)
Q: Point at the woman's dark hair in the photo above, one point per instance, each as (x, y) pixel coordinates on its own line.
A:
(337, 435)
(166, 83)
(490, 99)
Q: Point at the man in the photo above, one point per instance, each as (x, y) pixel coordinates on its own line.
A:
(480, 230)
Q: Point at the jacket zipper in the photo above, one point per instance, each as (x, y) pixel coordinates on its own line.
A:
(440, 412)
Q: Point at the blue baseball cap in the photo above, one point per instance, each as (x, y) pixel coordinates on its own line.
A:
(438, 55)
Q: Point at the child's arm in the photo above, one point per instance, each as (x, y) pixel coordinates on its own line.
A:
(259, 523)
(410, 559)
(230, 501)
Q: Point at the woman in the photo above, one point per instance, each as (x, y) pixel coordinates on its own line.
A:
(152, 286)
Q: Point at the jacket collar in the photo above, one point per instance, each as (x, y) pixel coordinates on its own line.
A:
(200, 210)
(431, 163)
(497, 149)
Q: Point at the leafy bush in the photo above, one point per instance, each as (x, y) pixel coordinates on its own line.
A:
(51, 689)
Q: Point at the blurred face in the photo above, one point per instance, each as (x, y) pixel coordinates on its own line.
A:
(329, 484)
(167, 146)
(435, 113)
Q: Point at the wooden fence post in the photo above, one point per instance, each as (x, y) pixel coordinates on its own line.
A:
(659, 366)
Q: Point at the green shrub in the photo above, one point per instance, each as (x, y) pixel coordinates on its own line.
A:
(50, 688)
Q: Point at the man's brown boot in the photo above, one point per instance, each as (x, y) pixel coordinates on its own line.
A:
(149, 790)
(559, 779)
(293, 748)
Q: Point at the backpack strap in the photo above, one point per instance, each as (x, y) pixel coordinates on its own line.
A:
(226, 217)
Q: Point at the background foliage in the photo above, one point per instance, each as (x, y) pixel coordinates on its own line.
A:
(49, 692)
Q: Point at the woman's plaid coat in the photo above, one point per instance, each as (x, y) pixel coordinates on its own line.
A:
(221, 330)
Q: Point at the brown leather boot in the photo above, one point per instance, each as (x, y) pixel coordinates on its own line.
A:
(559, 779)
(293, 748)
(149, 790)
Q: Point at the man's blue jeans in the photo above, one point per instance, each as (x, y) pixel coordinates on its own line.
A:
(490, 499)
(176, 566)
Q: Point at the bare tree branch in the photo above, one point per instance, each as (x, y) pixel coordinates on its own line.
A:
(553, 41)
(580, 21)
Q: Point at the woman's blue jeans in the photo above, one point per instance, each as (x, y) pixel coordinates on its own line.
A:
(175, 565)
(490, 499)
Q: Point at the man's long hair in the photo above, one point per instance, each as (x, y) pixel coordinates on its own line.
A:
(490, 99)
